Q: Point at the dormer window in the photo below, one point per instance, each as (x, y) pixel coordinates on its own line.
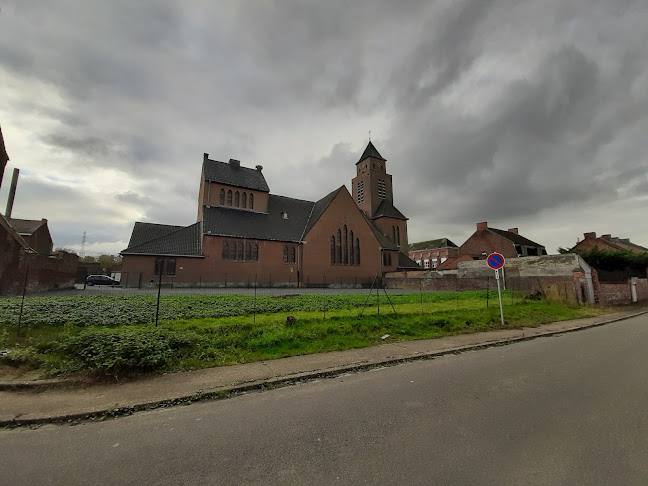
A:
(284, 215)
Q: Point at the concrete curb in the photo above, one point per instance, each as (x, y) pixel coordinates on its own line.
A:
(280, 381)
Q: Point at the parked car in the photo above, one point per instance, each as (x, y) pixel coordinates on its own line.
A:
(100, 280)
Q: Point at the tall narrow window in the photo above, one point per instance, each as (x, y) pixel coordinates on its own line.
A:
(225, 254)
(398, 235)
(389, 259)
(232, 251)
(244, 200)
(171, 266)
(351, 250)
(222, 197)
(357, 251)
(394, 234)
(338, 255)
(248, 252)
(381, 189)
(255, 252)
(332, 250)
(346, 246)
(236, 199)
(285, 254)
(360, 187)
(229, 197)
(251, 201)
(293, 252)
(239, 254)
(159, 266)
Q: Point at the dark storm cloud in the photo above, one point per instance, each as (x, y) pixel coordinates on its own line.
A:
(489, 109)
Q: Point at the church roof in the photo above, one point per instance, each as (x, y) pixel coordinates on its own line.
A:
(143, 232)
(388, 210)
(227, 221)
(171, 240)
(235, 175)
(406, 262)
(384, 242)
(319, 207)
(370, 151)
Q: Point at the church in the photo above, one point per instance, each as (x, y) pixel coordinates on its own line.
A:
(244, 235)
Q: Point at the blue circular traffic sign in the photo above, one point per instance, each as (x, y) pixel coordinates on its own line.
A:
(495, 261)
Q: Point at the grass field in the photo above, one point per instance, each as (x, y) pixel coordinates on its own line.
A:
(114, 335)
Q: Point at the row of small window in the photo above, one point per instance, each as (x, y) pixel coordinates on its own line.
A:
(240, 200)
(170, 266)
(289, 254)
(345, 250)
(426, 263)
(240, 252)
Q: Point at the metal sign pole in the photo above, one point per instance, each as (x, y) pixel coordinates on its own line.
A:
(499, 292)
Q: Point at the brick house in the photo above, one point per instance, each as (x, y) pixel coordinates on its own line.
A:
(432, 253)
(35, 233)
(245, 234)
(607, 242)
(487, 240)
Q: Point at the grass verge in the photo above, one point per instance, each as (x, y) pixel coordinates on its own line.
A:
(199, 342)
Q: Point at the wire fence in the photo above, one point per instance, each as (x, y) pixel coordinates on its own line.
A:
(260, 301)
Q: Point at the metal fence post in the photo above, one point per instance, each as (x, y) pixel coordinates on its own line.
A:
(487, 290)
(157, 310)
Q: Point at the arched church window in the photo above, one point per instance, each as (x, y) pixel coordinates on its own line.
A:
(244, 200)
(229, 197)
(236, 199)
(346, 246)
(351, 249)
(251, 201)
(222, 197)
(332, 250)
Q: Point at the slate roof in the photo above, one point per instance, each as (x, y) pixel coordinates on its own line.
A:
(176, 241)
(432, 245)
(143, 232)
(406, 262)
(227, 221)
(383, 241)
(515, 238)
(370, 151)
(387, 209)
(319, 207)
(26, 226)
(226, 173)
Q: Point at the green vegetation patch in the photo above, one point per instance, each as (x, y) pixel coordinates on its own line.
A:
(121, 347)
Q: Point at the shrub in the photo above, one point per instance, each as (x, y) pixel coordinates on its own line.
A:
(124, 350)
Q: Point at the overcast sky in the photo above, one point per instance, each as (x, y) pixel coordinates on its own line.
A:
(529, 114)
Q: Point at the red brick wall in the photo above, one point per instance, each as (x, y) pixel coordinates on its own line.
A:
(385, 226)
(317, 247)
(642, 289)
(40, 240)
(487, 242)
(613, 293)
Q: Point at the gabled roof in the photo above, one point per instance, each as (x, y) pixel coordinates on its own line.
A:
(143, 232)
(26, 226)
(4, 223)
(514, 237)
(319, 207)
(227, 221)
(234, 175)
(406, 262)
(432, 245)
(185, 241)
(370, 151)
(388, 210)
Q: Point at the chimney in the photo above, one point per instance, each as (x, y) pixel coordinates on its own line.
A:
(624, 240)
(12, 193)
(514, 230)
(235, 164)
(482, 226)
(590, 236)
(606, 237)
(259, 168)
(205, 156)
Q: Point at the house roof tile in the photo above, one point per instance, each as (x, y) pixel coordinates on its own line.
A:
(515, 238)
(26, 226)
(432, 245)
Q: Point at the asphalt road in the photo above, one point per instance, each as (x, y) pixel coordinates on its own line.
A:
(566, 410)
